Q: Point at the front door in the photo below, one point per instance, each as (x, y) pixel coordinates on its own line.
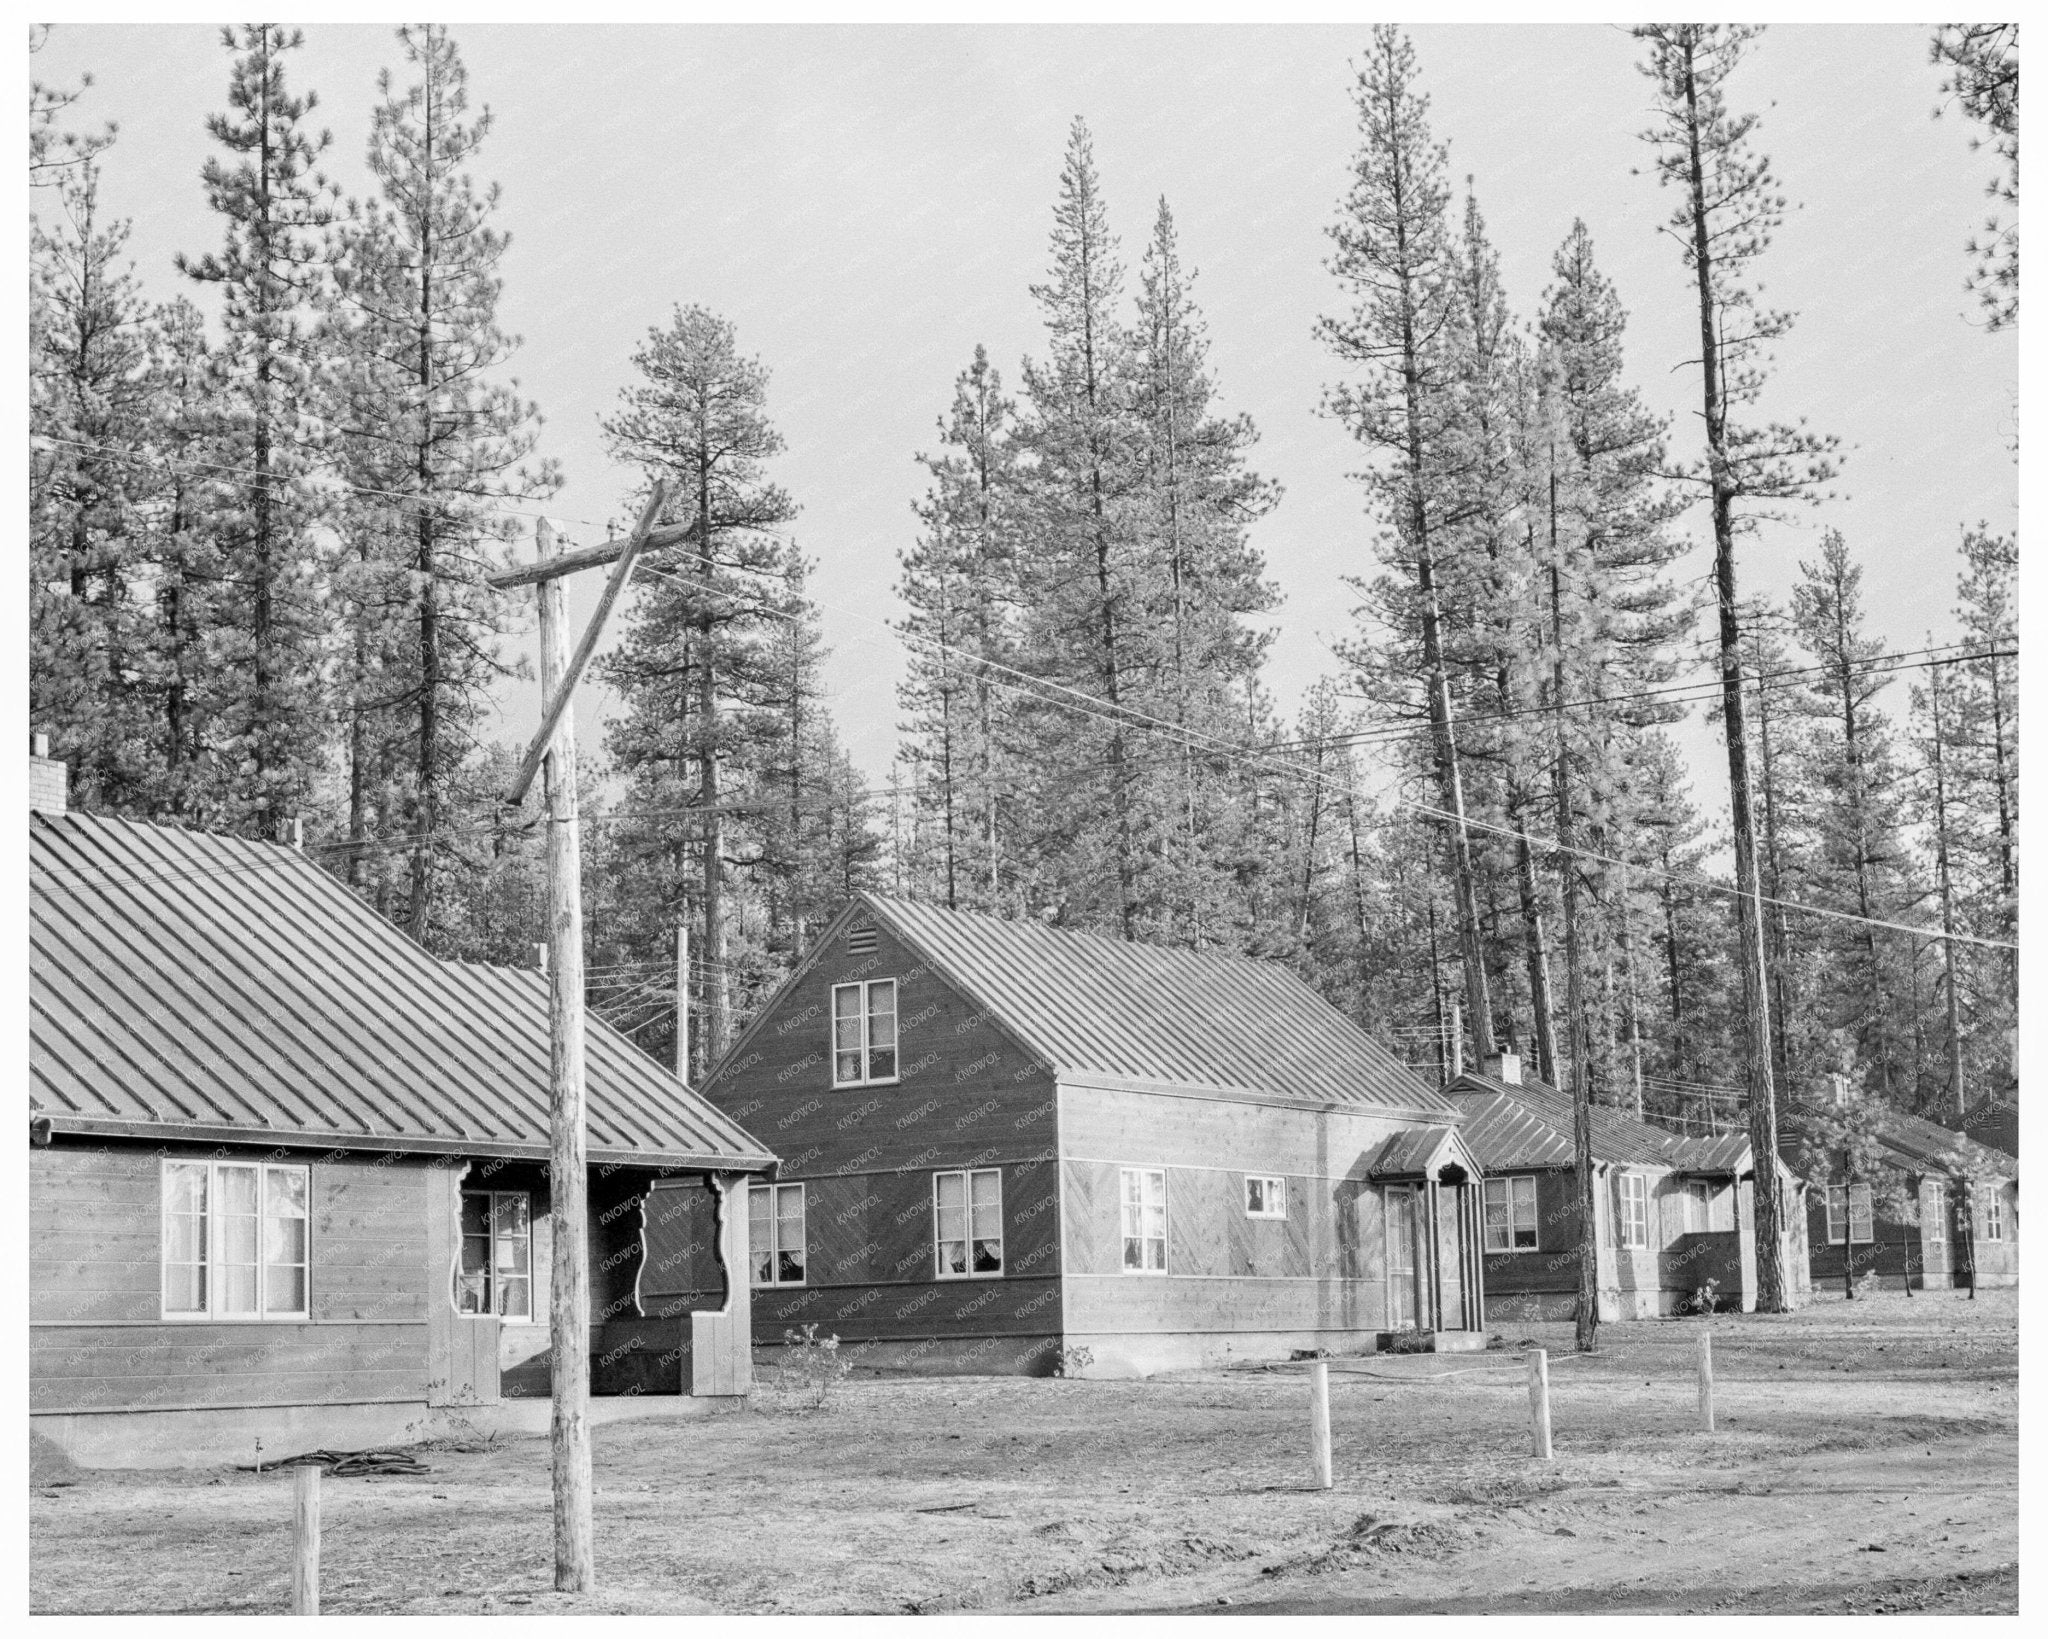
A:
(1405, 1262)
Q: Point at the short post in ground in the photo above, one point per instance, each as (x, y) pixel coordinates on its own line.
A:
(306, 1540)
(1706, 1370)
(1539, 1401)
(1319, 1416)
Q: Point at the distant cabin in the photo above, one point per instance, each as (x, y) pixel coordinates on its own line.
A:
(288, 1173)
(1011, 1148)
(1674, 1218)
(1945, 1214)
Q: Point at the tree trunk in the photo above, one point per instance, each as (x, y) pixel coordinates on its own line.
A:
(1772, 1285)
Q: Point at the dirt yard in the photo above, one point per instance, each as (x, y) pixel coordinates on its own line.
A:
(1867, 1461)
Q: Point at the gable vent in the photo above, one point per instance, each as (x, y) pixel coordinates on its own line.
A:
(862, 941)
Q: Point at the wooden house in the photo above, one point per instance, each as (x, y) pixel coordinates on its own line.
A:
(1012, 1148)
(1675, 1218)
(288, 1172)
(1945, 1215)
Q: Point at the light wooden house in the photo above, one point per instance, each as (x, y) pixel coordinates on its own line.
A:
(287, 1172)
(1010, 1148)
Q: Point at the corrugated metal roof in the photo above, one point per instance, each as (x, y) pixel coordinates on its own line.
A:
(1617, 1136)
(1419, 1152)
(1088, 1005)
(1924, 1144)
(1722, 1152)
(211, 985)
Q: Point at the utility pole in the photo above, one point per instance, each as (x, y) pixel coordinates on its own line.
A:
(554, 748)
(682, 1004)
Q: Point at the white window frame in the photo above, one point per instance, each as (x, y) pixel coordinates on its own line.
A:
(1699, 1205)
(1635, 1211)
(1146, 1177)
(867, 990)
(773, 1246)
(970, 1180)
(1841, 1209)
(1994, 1214)
(1271, 1193)
(212, 1260)
(1935, 1214)
(1510, 1193)
(491, 1270)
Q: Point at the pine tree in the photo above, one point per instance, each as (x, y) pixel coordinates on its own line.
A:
(1859, 859)
(697, 654)
(89, 412)
(1396, 262)
(1728, 209)
(1077, 557)
(271, 416)
(434, 446)
(1983, 63)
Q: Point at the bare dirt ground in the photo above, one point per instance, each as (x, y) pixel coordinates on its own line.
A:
(1866, 1461)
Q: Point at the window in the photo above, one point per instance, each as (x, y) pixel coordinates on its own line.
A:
(1850, 1202)
(1265, 1197)
(863, 1032)
(236, 1241)
(967, 1221)
(1934, 1214)
(1635, 1210)
(1510, 1214)
(496, 1275)
(1699, 1205)
(775, 1233)
(1144, 1197)
(1994, 1214)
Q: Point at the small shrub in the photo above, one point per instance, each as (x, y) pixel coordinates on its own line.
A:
(1073, 1362)
(1866, 1284)
(1704, 1299)
(811, 1364)
(1410, 1340)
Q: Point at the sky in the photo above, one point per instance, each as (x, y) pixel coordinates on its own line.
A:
(866, 204)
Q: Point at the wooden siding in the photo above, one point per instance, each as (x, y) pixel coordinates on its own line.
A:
(97, 1340)
(967, 1094)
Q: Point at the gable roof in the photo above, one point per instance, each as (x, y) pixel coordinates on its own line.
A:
(183, 984)
(1529, 1124)
(1921, 1144)
(1089, 1007)
(1421, 1152)
(1995, 1120)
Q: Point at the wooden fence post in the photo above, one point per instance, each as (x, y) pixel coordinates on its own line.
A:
(1539, 1401)
(1319, 1416)
(1706, 1360)
(306, 1540)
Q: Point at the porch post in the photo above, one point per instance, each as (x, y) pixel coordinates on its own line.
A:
(722, 1339)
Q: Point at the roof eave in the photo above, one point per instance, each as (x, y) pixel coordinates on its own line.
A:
(1108, 1082)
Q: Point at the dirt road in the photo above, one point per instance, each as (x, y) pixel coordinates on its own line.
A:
(1867, 1459)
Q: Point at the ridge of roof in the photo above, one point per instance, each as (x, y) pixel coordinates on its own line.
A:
(1628, 1138)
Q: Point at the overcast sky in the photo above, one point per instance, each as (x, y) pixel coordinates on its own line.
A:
(867, 204)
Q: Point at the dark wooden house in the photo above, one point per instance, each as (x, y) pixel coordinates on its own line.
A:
(1001, 1142)
(287, 1172)
(1675, 1218)
(1945, 1215)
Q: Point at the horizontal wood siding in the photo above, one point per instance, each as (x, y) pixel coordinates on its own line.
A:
(1323, 1267)
(182, 1366)
(966, 1094)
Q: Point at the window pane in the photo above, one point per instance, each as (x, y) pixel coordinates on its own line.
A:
(757, 1216)
(1134, 1252)
(1255, 1195)
(1155, 1254)
(472, 1293)
(284, 1289)
(952, 1188)
(516, 1299)
(1524, 1190)
(238, 1289)
(185, 1289)
(988, 1220)
(789, 1212)
(185, 1238)
(881, 1063)
(513, 1256)
(284, 1240)
(509, 1213)
(988, 1257)
(185, 1187)
(763, 1258)
(476, 1214)
(952, 1256)
(238, 1189)
(284, 1191)
(882, 1014)
(789, 1265)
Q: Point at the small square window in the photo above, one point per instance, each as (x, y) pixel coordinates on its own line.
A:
(1265, 1197)
(775, 1234)
(1510, 1214)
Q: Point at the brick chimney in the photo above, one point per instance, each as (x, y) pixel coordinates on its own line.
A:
(47, 778)
(1505, 1067)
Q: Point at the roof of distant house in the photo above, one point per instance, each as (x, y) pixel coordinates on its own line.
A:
(183, 984)
(1919, 1143)
(1995, 1120)
(1117, 1012)
(1529, 1124)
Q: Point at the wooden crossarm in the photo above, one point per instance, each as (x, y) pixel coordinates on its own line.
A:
(588, 557)
(622, 571)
